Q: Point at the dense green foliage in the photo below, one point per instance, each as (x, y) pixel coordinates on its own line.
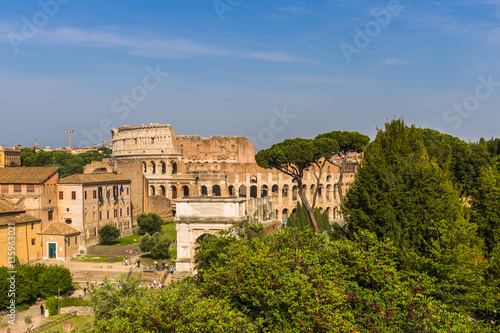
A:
(52, 305)
(286, 282)
(212, 250)
(463, 160)
(157, 245)
(108, 233)
(33, 281)
(400, 194)
(486, 207)
(68, 163)
(149, 223)
(179, 308)
(300, 220)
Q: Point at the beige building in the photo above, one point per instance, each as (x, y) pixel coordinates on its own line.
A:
(89, 201)
(164, 167)
(31, 189)
(9, 157)
(60, 241)
(24, 228)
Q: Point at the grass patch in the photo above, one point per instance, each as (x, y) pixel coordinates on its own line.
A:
(104, 259)
(72, 301)
(173, 253)
(124, 241)
(168, 228)
(79, 322)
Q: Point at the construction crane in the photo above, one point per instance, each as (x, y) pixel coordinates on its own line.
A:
(68, 132)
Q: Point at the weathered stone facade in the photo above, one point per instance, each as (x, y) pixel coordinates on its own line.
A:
(161, 163)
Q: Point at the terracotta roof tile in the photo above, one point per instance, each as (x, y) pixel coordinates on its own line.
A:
(26, 175)
(59, 228)
(8, 214)
(93, 178)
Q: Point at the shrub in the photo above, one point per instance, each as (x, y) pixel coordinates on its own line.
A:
(51, 305)
(149, 223)
(54, 278)
(157, 245)
(108, 233)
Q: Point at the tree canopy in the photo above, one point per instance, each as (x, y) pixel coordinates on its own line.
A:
(68, 163)
(400, 194)
(293, 157)
(108, 233)
(348, 142)
(149, 223)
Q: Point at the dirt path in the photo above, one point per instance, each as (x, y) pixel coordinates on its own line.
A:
(20, 326)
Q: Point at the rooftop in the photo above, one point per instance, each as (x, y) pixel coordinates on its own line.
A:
(26, 175)
(59, 228)
(8, 214)
(94, 178)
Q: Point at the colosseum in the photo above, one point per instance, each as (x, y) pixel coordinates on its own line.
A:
(164, 166)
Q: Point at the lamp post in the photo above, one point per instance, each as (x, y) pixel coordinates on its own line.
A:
(58, 301)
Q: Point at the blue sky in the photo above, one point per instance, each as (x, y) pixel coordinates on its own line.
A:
(266, 70)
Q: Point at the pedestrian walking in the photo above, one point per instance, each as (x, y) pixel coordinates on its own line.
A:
(42, 309)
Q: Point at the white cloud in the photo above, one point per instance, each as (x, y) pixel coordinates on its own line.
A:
(177, 48)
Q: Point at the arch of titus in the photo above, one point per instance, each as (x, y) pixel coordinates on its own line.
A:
(165, 168)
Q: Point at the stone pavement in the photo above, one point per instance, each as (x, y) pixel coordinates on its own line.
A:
(20, 326)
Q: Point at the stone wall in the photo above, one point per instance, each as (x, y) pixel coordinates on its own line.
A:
(80, 310)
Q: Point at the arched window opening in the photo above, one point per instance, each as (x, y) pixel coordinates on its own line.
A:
(253, 191)
(163, 168)
(284, 191)
(162, 189)
(204, 191)
(153, 191)
(295, 191)
(185, 191)
(231, 190)
(253, 179)
(284, 214)
(174, 168)
(174, 192)
(275, 188)
(216, 190)
(264, 191)
(144, 167)
(243, 191)
(153, 167)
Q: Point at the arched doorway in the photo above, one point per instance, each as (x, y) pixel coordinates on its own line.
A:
(263, 192)
(284, 215)
(243, 191)
(253, 191)
(216, 191)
